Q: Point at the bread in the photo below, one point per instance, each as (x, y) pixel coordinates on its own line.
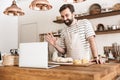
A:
(77, 61)
(84, 61)
(81, 61)
(61, 59)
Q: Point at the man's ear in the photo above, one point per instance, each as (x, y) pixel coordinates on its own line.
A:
(73, 14)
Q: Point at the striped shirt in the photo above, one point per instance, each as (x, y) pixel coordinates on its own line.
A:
(84, 30)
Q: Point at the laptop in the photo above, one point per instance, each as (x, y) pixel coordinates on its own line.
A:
(34, 55)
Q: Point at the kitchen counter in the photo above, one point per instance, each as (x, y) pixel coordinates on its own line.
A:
(93, 72)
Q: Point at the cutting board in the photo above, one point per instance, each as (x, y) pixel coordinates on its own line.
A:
(71, 64)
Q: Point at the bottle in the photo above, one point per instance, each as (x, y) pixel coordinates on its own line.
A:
(111, 55)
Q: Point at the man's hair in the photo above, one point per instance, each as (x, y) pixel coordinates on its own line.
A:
(64, 6)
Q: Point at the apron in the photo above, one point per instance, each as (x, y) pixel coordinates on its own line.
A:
(75, 46)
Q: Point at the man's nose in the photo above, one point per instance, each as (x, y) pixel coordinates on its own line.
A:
(65, 18)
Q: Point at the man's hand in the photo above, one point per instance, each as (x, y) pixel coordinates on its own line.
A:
(98, 60)
(51, 39)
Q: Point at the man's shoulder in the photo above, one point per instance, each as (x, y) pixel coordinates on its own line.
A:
(83, 21)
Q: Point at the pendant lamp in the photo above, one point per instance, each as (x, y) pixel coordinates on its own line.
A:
(40, 5)
(14, 10)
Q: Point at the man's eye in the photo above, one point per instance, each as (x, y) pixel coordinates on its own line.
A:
(66, 15)
(62, 16)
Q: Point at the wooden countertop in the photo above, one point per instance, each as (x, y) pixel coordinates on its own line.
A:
(93, 72)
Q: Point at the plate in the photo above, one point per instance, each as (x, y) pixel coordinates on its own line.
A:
(61, 63)
(94, 9)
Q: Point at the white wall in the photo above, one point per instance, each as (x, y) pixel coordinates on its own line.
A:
(45, 18)
(8, 29)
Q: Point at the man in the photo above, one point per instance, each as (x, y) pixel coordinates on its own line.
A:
(77, 39)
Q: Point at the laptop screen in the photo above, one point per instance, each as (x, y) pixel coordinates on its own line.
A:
(33, 54)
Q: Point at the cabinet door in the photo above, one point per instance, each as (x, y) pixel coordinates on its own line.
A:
(28, 32)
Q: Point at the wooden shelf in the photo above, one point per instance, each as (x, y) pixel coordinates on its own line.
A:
(58, 21)
(97, 33)
(107, 32)
(112, 13)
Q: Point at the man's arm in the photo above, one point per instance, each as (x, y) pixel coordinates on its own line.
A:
(59, 49)
(93, 47)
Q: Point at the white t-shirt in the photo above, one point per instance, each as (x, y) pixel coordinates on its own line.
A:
(84, 29)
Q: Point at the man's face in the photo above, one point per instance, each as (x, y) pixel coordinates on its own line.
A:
(67, 16)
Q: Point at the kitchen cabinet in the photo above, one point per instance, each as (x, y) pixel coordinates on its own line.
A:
(108, 71)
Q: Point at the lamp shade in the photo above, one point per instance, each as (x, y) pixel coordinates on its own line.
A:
(77, 1)
(74, 1)
(40, 5)
(14, 10)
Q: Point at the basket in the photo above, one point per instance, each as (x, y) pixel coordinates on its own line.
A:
(116, 7)
(95, 9)
(10, 60)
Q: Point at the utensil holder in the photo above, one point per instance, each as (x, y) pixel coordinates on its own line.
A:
(10, 60)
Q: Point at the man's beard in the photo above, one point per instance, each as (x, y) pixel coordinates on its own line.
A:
(68, 22)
